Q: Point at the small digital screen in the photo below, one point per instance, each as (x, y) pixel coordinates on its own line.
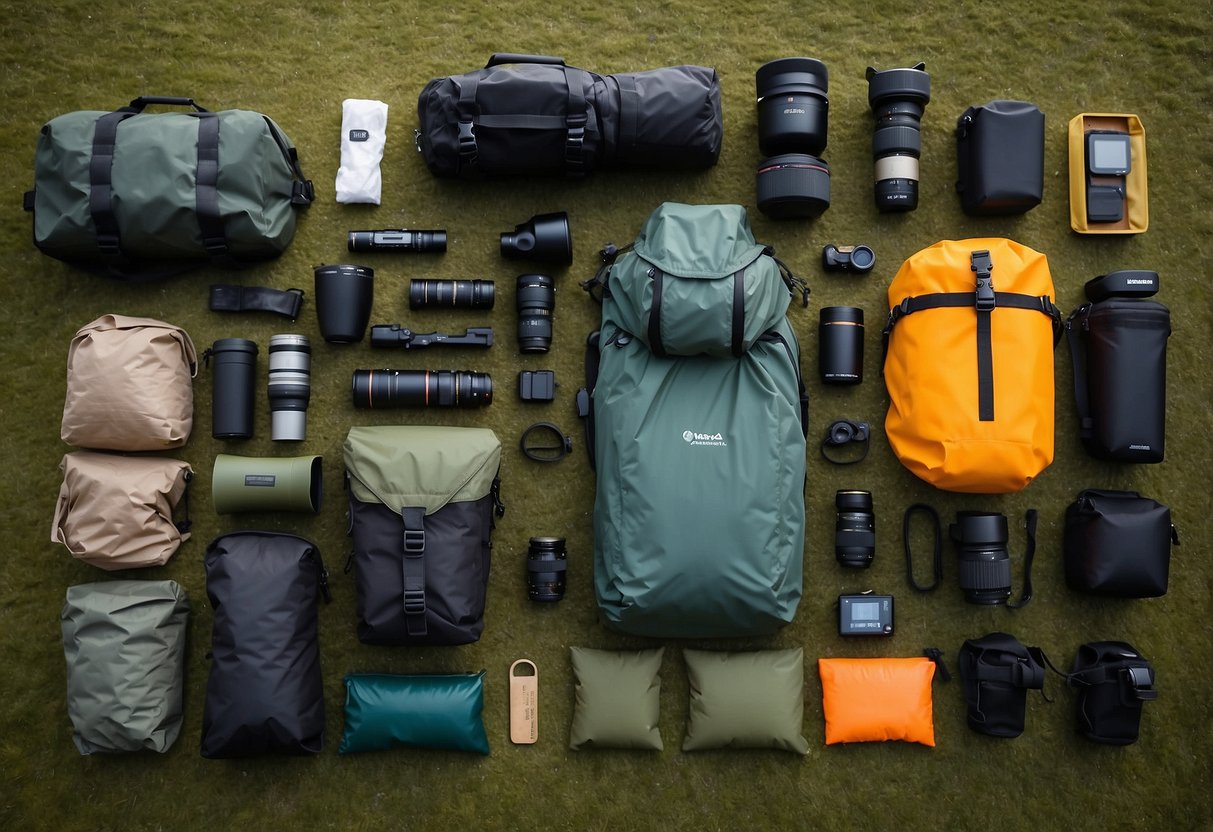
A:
(865, 611)
(1110, 154)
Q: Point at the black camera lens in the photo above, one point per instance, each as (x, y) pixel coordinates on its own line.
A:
(398, 239)
(542, 237)
(898, 98)
(456, 294)
(421, 388)
(840, 345)
(985, 565)
(854, 529)
(859, 259)
(290, 386)
(793, 186)
(793, 109)
(536, 300)
(235, 368)
(545, 568)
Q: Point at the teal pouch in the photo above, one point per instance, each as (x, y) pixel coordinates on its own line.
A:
(443, 712)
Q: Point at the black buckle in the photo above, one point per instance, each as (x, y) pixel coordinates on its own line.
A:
(573, 147)
(1140, 682)
(108, 243)
(303, 193)
(467, 142)
(414, 541)
(215, 246)
(414, 602)
(979, 262)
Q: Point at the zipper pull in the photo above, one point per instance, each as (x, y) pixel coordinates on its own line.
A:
(1174, 534)
(936, 655)
(498, 505)
(324, 577)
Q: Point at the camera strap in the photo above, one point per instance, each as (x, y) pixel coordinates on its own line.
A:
(1029, 555)
(937, 562)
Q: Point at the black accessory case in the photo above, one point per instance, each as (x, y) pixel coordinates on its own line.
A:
(1000, 158)
(1113, 680)
(1118, 543)
(997, 671)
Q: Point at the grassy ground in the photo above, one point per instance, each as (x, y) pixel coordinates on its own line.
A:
(297, 62)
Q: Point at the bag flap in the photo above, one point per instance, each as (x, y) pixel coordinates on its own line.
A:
(108, 323)
(421, 466)
(673, 239)
(946, 267)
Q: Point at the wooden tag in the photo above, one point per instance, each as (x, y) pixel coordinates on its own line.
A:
(524, 702)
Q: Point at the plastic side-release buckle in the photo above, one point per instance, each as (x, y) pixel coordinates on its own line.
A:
(979, 262)
(467, 142)
(1140, 683)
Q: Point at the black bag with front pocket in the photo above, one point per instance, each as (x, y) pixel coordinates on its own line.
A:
(421, 512)
(997, 672)
(1000, 154)
(1113, 681)
(534, 115)
(1118, 543)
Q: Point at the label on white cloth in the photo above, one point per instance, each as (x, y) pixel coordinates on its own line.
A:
(363, 136)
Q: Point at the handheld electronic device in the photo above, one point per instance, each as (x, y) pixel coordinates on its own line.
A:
(865, 614)
(1109, 160)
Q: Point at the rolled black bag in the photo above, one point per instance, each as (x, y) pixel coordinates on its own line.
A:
(535, 115)
(1118, 344)
(997, 672)
(1118, 543)
(1113, 680)
(265, 693)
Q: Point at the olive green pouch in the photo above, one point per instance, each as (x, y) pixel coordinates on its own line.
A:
(616, 701)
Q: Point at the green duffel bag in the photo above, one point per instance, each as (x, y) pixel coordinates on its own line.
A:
(142, 195)
(124, 642)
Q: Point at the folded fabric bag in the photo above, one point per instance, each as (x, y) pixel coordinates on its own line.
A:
(746, 700)
(124, 642)
(871, 700)
(617, 697)
(418, 711)
(116, 512)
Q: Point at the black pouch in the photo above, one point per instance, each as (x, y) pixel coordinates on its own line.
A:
(1000, 151)
(1119, 350)
(1113, 680)
(997, 672)
(265, 693)
(1118, 543)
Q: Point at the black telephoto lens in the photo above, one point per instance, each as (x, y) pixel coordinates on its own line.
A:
(421, 388)
(898, 98)
(985, 565)
(545, 568)
(455, 294)
(398, 239)
(536, 300)
(840, 345)
(235, 371)
(854, 529)
(793, 117)
(290, 386)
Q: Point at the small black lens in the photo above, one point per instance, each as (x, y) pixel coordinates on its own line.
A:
(420, 388)
(457, 294)
(985, 564)
(793, 109)
(898, 98)
(545, 568)
(854, 529)
(840, 345)
(536, 300)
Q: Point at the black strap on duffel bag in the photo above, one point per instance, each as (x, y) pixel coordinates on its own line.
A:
(535, 115)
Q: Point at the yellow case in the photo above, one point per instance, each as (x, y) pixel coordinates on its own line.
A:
(1137, 209)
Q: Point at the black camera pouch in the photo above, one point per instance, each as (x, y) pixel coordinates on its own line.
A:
(1118, 543)
(997, 672)
(1113, 680)
(1000, 151)
(1119, 350)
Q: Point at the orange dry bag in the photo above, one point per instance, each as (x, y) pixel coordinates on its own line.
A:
(969, 365)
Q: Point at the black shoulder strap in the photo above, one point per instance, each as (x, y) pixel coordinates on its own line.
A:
(937, 555)
(585, 403)
(654, 330)
(737, 342)
(1029, 555)
(226, 297)
(1078, 358)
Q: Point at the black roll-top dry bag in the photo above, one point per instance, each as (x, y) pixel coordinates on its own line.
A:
(535, 115)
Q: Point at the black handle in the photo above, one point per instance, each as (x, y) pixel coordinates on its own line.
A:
(518, 58)
(142, 101)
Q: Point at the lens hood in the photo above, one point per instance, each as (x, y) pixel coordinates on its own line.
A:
(793, 185)
(542, 237)
(912, 83)
(979, 528)
(792, 76)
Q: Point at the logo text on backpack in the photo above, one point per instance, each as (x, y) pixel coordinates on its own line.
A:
(693, 438)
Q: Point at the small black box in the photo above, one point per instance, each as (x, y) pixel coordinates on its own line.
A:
(537, 385)
(1000, 151)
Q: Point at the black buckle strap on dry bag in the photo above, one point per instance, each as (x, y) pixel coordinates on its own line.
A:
(985, 302)
(413, 566)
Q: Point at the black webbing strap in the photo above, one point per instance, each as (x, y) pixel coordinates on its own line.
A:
(527, 121)
(654, 331)
(226, 297)
(1078, 357)
(1029, 555)
(585, 396)
(206, 189)
(979, 262)
(100, 182)
(629, 106)
(737, 344)
(576, 120)
(937, 558)
(183, 525)
(468, 114)
(413, 565)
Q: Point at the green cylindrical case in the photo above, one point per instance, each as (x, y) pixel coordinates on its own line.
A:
(255, 483)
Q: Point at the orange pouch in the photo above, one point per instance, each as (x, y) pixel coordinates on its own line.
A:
(969, 365)
(872, 700)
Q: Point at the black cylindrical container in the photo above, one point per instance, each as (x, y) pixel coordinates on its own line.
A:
(793, 109)
(234, 388)
(421, 388)
(546, 561)
(840, 345)
(452, 294)
(344, 295)
(536, 300)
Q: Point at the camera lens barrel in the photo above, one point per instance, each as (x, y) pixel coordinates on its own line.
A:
(546, 561)
(898, 98)
(542, 237)
(290, 386)
(840, 345)
(234, 363)
(793, 108)
(854, 529)
(398, 239)
(985, 565)
(373, 389)
(793, 186)
(536, 297)
(453, 294)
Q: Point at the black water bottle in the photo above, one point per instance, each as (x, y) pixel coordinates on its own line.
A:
(235, 369)
(840, 345)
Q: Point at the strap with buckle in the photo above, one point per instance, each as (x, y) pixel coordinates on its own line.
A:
(413, 569)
